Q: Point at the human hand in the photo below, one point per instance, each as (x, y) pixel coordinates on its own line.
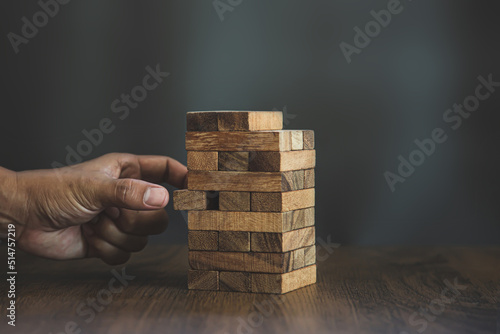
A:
(102, 208)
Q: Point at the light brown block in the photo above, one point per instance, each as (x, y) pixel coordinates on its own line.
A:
(203, 280)
(239, 221)
(239, 141)
(282, 161)
(292, 180)
(234, 241)
(310, 255)
(233, 161)
(298, 258)
(250, 120)
(282, 242)
(239, 261)
(201, 121)
(281, 202)
(297, 140)
(234, 201)
(190, 200)
(203, 240)
(283, 283)
(308, 139)
(309, 178)
(299, 219)
(202, 160)
(235, 281)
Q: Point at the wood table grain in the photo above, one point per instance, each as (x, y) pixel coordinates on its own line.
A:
(359, 290)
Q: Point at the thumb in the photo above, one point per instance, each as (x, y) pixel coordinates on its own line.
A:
(132, 194)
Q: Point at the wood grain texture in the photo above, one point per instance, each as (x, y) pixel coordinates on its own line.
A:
(268, 283)
(358, 290)
(234, 241)
(292, 180)
(282, 242)
(239, 221)
(281, 202)
(297, 137)
(233, 161)
(309, 181)
(202, 160)
(201, 121)
(235, 281)
(203, 280)
(234, 201)
(239, 261)
(308, 139)
(203, 240)
(299, 219)
(298, 258)
(309, 255)
(239, 141)
(250, 120)
(190, 200)
(282, 161)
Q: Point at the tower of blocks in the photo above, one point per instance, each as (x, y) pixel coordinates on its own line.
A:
(250, 202)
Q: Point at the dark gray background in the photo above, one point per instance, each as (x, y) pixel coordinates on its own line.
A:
(272, 54)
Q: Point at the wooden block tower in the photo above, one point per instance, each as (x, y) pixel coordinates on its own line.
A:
(250, 198)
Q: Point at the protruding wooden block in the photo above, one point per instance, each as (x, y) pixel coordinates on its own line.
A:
(203, 280)
(239, 141)
(283, 283)
(240, 221)
(233, 161)
(190, 200)
(203, 240)
(298, 258)
(308, 139)
(234, 201)
(234, 241)
(282, 242)
(292, 180)
(241, 261)
(235, 281)
(297, 139)
(282, 161)
(250, 120)
(202, 160)
(201, 121)
(281, 202)
(309, 178)
(299, 219)
(310, 255)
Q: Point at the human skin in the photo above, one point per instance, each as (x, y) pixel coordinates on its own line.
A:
(103, 208)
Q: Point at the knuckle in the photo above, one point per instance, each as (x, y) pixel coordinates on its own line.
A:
(124, 190)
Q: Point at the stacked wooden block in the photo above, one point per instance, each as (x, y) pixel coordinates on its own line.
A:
(250, 197)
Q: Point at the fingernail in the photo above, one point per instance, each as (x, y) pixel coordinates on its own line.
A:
(155, 196)
(113, 212)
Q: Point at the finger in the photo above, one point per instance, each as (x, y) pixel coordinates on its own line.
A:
(98, 247)
(159, 169)
(108, 231)
(130, 194)
(139, 222)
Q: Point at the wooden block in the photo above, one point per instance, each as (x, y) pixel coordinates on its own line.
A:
(239, 141)
(241, 261)
(300, 219)
(298, 258)
(203, 280)
(308, 139)
(297, 137)
(281, 161)
(235, 281)
(233, 161)
(309, 178)
(234, 201)
(190, 200)
(203, 240)
(282, 242)
(310, 255)
(201, 121)
(239, 221)
(202, 160)
(234, 241)
(281, 202)
(292, 180)
(250, 120)
(283, 283)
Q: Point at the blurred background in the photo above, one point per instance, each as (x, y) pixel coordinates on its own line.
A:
(283, 55)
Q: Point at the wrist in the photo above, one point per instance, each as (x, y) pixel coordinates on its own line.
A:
(12, 206)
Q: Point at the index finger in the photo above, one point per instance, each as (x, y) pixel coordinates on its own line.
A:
(157, 169)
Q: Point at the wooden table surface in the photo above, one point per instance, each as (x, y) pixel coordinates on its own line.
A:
(359, 290)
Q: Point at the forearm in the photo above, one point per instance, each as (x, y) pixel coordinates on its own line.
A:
(12, 206)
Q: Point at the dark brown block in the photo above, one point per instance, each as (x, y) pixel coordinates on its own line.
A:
(241, 261)
(203, 240)
(233, 161)
(201, 121)
(281, 161)
(203, 280)
(234, 241)
(234, 201)
(282, 242)
(235, 281)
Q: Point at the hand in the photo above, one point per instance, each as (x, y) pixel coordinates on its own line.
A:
(102, 208)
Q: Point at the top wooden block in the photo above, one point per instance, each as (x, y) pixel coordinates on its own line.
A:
(234, 120)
